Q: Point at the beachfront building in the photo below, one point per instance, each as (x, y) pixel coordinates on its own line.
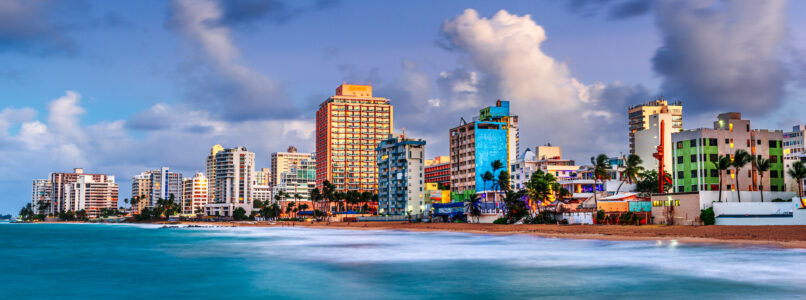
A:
(401, 179)
(194, 194)
(157, 184)
(91, 193)
(234, 173)
(349, 125)
(794, 150)
(263, 177)
(476, 145)
(210, 172)
(548, 159)
(283, 162)
(696, 151)
(295, 174)
(41, 194)
(639, 116)
(647, 138)
(438, 170)
(262, 193)
(52, 191)
(141, 190)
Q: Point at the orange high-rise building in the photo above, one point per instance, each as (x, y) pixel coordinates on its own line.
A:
(349, 125)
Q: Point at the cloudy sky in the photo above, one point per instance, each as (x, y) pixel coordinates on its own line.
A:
(122, 87)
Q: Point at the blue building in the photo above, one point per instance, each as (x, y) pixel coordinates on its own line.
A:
(401, 179)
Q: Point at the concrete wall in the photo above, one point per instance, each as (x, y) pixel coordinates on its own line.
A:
(576, 217)
(682, 208)
(767, 213)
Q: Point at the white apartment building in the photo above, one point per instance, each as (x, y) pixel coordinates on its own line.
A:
(194, 194)
(794, 148)
(234, 177)
(91, 194)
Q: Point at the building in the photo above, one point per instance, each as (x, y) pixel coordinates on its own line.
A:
(210, 172)
(58, 182)
(647, 140)
(194, 194)
(349, 125)
(141, 188)
(401, 177)
(234, 175)
(696, 151)
(91, 193)
(476, 145)
(263, 177)
(262, 193)
(298, 180)
(160, 184)
(548, 152)
(438, 170)
(794, 150)
(42, 193)
(550, 162)
(283, 162)
(639, 117)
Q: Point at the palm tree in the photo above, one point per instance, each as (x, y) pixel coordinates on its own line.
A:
(316, 197)
(740, 159)
(487, 176)
(600, 165)
(503, 181)
(514, 205)
(135, 202)
(540, 187)
(327, 193)
(297, 196)
(475, 211)
(366, 197)
(798, 172)
(632, 167)
(289, 208)
(721, 165)
(761, 165)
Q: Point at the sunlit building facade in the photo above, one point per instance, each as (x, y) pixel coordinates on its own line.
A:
(194, 194)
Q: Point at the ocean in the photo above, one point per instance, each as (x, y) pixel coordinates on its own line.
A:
(87, 261)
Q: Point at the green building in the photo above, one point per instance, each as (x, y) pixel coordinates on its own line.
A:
(695, 153)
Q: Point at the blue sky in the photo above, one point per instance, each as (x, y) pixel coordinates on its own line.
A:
(155, 83)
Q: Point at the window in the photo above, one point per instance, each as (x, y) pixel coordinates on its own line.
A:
(749, 174)
(679, 189)
(758, 142)
(714, 187)
(774, 188)
(679, 159)
(679, 145)
(773, 159)
(693, 187)
(714, 173)
(693, 158)
(773, 174)
(748, 142)
(692, 143)
(680, 174)
(773, 144)
(727, 141)
(694, 173)
(714, 157)
(748, 127)
(712, 142)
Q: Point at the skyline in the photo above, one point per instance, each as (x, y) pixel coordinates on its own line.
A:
(119, 94)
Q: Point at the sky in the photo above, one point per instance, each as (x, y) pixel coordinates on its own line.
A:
(121, 87)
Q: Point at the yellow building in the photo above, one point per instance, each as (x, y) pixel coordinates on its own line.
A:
(349, 126)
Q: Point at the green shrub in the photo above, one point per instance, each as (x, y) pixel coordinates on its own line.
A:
(600, 216)
(501, 220)
(781, 200)
(707, 216)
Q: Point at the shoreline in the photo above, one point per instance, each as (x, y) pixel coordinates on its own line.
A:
(793, 237)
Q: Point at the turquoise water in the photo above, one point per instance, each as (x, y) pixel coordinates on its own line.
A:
(71, 261)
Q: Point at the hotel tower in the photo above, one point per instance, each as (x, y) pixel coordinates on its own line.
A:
(349, 126)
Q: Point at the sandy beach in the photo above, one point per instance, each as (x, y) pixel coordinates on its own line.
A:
(774, 236)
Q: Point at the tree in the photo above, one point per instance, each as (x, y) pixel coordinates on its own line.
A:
(539, 188)
(798, 172)
(167, 206)
(600, 165)
(316, 197)
(27, 212)
(366, 197)
(762, 165)
(514, 205)
(740, 159)
(488, 176)
(648, 184)
(81, 215)
(632, 168)
(289, 208)
(239, 214)
(327, 192)
(503, 181)
(135, 201)
(473, 201)
(297, 196)
(721, 165)
(42, 206)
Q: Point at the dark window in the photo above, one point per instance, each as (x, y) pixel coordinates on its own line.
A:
(680, 188)
(773, 159)
(748, 142)
(728, 186)
(694, 173)
(773, 174)
(679, 159)
(773, 144)
(694, 158)
(714, 157)
(692, 143)
(727, 141)
(679, 145)
(711, 142)
(748, 127)
(758, 142)
(714, 187)
(714, 173)
(680, 174)
(693, 187)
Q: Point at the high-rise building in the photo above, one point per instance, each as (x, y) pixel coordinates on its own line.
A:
(194, 194)
(210, 172)
(401, 179)
(298, 179)
(161, 184)
(234, 176)
(475, 146)
(282, 162)
(141, 188)
(349, 125)
(696, 151)
(263, 177)
(647, 140)
(639, 117)
(92, 194)
(438, 170)
(42, 194)
(59, 181)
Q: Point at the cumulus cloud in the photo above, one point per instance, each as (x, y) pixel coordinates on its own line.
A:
(718, 55)
(228, 87)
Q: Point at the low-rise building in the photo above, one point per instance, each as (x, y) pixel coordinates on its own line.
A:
(400, 176)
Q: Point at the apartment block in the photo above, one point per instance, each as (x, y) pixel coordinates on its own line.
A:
(438, 170)
(92, 194)
(639, 116)
(234, 177)
(194, 194)
(401, 177)
(210, 172)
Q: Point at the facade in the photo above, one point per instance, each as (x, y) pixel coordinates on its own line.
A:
(476, 145)
(59, 181)
(92, 194)
(647, 140)
(42, 193)
(794, 150)
(639, 117)
(438, 170)
(551, 162)
(696, 151)
(262, 193)
(401, 178)
(162, 183)
(283, 162)
(298, 179)
(263, 177)
(234, 175)
(210, 172)
(194, 194)
(141, 188)
(349, 125)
